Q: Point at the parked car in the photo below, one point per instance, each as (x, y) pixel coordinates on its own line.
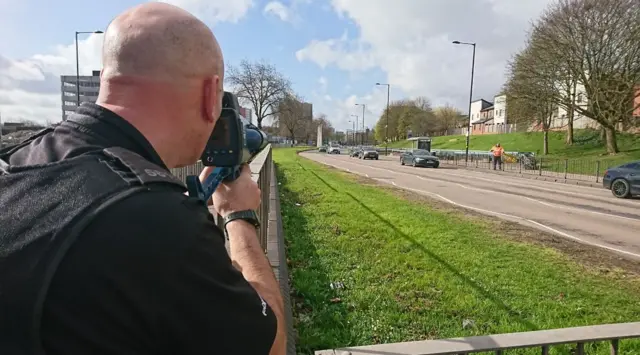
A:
(322, 149)
(419, 157)
(368, 153)
(623, 180)
(355, 152)
(334, 150)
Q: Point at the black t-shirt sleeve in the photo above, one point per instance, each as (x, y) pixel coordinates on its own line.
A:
(151, 275)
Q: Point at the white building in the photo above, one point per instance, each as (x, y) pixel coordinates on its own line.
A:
(560, 119)
(89, 88)
(500, 109)
(476, 107)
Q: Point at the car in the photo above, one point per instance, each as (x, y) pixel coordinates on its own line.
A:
(333, 150)
(322, 149)
(368, 153)
(419, 157)
(355, 152)
(623, 180)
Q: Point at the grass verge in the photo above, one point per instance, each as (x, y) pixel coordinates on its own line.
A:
(412, 272)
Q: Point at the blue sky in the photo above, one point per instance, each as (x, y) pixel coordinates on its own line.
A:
(334, 51)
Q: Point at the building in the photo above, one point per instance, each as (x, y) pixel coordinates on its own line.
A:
(476, 107)
(636, 103)
(500, 109)
(246, 113)
(307, 110)
(89, 88)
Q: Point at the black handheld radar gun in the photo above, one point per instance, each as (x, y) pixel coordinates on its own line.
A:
(234, 141)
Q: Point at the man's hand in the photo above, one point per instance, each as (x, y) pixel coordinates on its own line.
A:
(238, 195)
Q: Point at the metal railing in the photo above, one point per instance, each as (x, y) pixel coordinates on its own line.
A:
(543, 340)
(564, 169)
(261, 173)
(527, 163)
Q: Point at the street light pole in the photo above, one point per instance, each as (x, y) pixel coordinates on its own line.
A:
(386, 135)
(78, 64)
(363, 108)
(473, 67)
(355, 133)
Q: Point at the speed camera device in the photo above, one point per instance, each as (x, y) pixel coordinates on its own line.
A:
(234, 141)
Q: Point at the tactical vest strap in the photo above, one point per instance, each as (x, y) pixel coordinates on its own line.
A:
(146, 171)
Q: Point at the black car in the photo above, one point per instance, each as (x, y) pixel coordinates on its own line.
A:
(419, 157)
(623, 180)
(368, 153)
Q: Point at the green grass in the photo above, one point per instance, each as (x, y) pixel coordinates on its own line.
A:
(413, 273)
(588, 145)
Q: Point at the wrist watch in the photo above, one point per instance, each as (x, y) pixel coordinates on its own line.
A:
(247, 215)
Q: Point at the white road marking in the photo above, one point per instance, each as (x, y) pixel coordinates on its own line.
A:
(556, 231)
(513, 195)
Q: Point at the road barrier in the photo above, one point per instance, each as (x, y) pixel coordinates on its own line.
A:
(500, 343)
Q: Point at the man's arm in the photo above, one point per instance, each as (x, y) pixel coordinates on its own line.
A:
(248, 256)
(245, 251)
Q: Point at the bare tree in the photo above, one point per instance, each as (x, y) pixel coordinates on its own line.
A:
(290, 116)
(595, 44)
(448, 117)
(259, 84)
(532, 91)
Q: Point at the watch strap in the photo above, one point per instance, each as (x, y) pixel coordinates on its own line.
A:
(246, 215)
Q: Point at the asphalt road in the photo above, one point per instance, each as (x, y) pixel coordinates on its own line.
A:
(585, 214)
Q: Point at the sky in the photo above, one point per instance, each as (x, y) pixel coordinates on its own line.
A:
(333, 51)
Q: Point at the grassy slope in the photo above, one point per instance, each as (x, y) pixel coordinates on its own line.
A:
(588, 144)
(413, 273)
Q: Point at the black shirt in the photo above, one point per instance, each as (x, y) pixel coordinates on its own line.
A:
(151, 274)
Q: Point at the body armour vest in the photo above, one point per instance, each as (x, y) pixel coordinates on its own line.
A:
(43, 210)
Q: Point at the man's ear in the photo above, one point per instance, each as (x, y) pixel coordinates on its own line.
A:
(210, 98)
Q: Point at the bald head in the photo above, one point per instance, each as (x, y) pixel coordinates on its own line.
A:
(163, 73)
(160, 42)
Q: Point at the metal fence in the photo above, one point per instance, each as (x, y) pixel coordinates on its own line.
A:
(261, 173)
(566, 169)
(577, 338)
(527, 163)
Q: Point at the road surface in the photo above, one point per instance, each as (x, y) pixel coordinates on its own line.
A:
(585, 214)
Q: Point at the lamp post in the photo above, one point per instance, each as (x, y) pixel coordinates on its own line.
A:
(355, 133)
(386, 135)
(78, 63)
(473, 67)
(363, 107)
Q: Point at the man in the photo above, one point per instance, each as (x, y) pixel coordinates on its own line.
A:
(101, 251)
(497, 151)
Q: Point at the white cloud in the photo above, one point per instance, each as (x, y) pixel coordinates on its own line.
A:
(30, 87)
(286, 12)
(278, 9)
(339, 111)
(215, 11)
(411, 42)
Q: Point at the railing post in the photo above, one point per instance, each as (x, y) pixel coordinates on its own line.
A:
(520, 164)
(614, 347)
(545, 350)
(566, 168)
(598, 171)
(579, 349)
(540, 166)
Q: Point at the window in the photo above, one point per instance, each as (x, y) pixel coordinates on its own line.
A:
(579, 98)
(632, 166)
